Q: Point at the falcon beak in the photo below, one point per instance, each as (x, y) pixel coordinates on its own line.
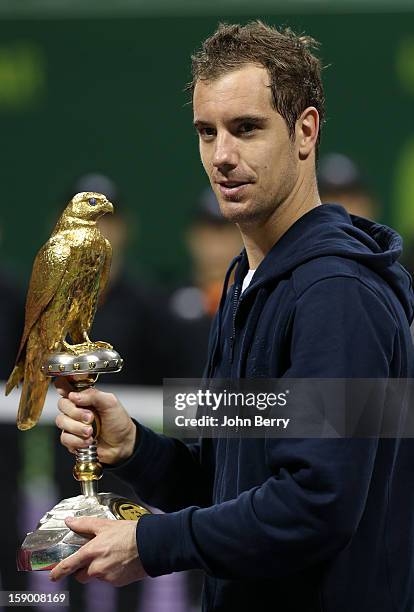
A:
(108, 207)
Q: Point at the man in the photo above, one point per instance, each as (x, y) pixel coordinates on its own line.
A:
(299, 525)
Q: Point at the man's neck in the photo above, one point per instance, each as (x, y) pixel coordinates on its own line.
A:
(260, 238)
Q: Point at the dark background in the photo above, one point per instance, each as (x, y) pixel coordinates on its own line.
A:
(107, 95)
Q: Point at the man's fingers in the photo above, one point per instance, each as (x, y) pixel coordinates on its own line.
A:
(95, 570)
(74, 427)
(95, 398)
(83, 576)
(67, 407)
(87, 525)
(72, 443)
(71, 564)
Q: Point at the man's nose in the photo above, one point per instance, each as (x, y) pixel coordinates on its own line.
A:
(225, 153)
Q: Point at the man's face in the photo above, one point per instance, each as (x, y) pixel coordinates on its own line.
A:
(245, 146)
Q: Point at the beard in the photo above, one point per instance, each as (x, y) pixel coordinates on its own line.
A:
(247, 212)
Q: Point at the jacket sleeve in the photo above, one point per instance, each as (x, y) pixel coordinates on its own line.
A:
(311, 506)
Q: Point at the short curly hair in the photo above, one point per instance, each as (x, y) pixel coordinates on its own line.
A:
(295, 72)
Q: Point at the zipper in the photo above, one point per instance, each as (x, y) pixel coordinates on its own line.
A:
(236, 296)
(216, 345)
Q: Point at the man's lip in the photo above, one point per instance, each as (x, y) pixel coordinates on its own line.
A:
(231, 184)
(229, 191)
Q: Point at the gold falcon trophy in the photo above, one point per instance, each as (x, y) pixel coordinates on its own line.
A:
(69, 274)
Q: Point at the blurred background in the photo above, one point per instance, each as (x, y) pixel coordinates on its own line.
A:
(91, 98)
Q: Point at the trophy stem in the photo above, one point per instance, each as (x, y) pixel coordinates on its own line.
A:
(88, 470)
(89, 488)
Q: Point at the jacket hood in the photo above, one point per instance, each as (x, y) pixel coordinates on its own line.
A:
(329, 230)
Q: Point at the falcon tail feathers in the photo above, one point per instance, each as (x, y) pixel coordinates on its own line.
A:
(33, 396)
(15, 377)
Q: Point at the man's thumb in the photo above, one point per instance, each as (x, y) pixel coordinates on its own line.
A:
(94, 398)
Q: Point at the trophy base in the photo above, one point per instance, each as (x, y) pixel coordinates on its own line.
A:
(53, 541)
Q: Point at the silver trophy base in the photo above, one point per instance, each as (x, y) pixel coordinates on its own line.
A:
(53, 541)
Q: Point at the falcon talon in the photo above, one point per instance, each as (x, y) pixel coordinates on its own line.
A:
(104, 345)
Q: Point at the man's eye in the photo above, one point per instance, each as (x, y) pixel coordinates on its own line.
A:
(207, 132)
(245, 128)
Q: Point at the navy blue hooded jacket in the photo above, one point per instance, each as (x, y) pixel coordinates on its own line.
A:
(295, 525)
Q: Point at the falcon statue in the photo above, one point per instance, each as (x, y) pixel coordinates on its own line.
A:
(69, 273)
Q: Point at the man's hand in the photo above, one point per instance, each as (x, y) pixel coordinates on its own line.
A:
(111, 555)
(117, 437)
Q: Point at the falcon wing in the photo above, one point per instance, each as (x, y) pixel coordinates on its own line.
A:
(103, 281)
(47, 273)
(84, 324)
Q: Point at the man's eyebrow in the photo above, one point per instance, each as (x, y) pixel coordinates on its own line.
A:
(250, 119)
(200, 123)
(242, 118)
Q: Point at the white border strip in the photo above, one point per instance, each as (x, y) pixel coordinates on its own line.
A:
(142, 403)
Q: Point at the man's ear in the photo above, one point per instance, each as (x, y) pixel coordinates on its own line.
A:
(307, 130)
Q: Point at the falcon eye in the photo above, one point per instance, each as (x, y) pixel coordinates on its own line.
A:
(92, 201)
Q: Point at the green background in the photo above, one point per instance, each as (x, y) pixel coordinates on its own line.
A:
(106, 94)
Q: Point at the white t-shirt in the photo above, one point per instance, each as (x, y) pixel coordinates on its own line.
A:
(247, 279)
